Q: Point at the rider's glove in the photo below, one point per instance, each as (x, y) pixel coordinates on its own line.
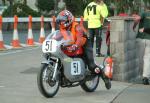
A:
(74, 47)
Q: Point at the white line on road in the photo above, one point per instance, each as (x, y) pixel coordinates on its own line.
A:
(18, 51)
(2, 86)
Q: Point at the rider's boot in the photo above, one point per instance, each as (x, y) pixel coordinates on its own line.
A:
(145, 81)
(106, 80)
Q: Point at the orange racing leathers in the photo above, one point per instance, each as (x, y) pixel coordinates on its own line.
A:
(78, 36)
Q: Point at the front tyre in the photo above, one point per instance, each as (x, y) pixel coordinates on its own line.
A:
(90, 85)
(46, 85)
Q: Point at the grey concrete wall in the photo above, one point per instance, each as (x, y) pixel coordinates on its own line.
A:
(123, 49)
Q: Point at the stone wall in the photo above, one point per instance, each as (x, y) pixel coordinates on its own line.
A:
(123, 49)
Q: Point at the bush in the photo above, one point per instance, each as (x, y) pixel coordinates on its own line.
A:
(21, 10)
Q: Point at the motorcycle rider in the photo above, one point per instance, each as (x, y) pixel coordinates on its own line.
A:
(81, 44)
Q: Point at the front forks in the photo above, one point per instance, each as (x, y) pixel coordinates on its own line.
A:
(55, 70)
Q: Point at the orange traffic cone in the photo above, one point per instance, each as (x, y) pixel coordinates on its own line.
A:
(42, 32)
(30, 41)
(1, 36)
(82, 25)
(15, 41)
(81, 21)
(53, 23)
(74, 19)
(1, 41)
(109, 67)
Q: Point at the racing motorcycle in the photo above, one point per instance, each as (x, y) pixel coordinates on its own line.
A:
(60, 70)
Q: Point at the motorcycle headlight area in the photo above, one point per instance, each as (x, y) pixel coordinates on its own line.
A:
(49, 46)
(46, 55)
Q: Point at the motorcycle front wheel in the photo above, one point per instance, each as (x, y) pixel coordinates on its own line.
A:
(90, 85)
(46, 85)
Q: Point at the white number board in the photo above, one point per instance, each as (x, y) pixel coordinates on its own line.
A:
(75, 68)
(49, 46)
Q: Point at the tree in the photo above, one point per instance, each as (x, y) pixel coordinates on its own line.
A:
(76, 6)
(4, 2)
(11, 5)
(25, 2)
(21, 10)
(45, 6)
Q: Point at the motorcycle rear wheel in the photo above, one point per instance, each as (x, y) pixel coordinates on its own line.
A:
(47, 87)
(90, 85)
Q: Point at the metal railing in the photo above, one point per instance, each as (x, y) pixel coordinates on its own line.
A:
(26, 19)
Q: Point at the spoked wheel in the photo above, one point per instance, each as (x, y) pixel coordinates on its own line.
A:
(90, 85)
(46, 85)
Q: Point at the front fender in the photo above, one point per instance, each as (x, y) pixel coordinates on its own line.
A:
(45, 62)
